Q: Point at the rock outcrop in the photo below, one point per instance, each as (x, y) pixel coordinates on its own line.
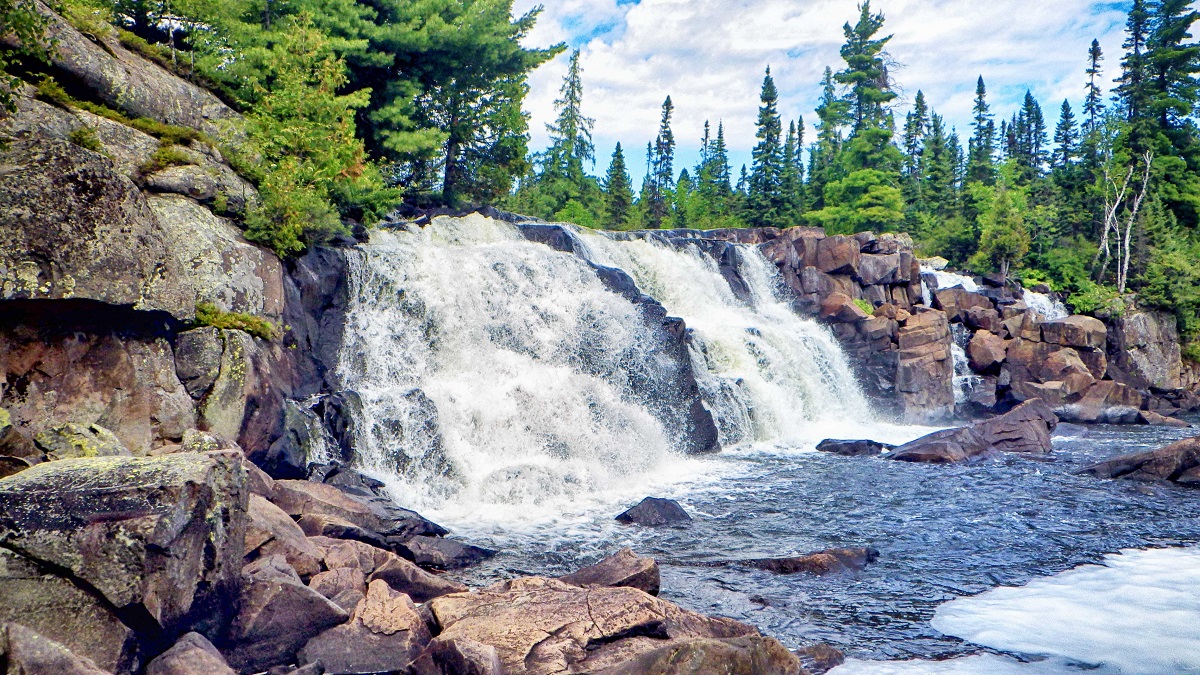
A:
(1025, 429)
(623, 568)
(1178, 463)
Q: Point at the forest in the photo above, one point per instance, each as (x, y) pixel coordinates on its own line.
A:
(355, 106)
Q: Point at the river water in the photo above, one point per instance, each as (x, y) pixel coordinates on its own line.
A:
(542, 435)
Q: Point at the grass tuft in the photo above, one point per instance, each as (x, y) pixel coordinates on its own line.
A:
(207, 314)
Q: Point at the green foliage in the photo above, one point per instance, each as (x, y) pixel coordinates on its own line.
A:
(51, 91)
(207, 314)
(864, 306)
(1191, 352)
(19, 19)
(85, 137)
(1095, 299)
(165, 156)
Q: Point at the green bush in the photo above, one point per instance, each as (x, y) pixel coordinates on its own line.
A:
(207, 314)
(166, 155)
(85, 137)
(1191, 352)
(865, 306)
(1092, 298)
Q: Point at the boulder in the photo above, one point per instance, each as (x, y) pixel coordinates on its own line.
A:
(986, 351)
(984, 318)
(207, 182)
(160, 538)
(418, 584)
(1076, 331)
(59, 610)
(813, 280)
(70, 441)
(462, 656)
(956, 302)
(198, 359)
(1024, 429)
(443, 554)
(333, 583)
(1178, 462)
(25, 652)
(540, 626)
(623, 568)
(854, 448)
(385, 634)
(820, 658)
(944, 447)
(191, 654)
(98, 242)
(1157, 420)
(879, 269)
(925, 369)
(821, 563)
(1143, 351)
(300, 497)
(325, 525)
(278, 616)
(752, 655)
(655, 512)
(270, 531)
(838, 254)
(842, 308)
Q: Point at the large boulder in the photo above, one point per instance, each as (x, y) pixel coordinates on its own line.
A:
(69, 441)
(1076, 331)
(838, 255)
(97, 240)
(377, 514)
(157, 538)
(880, 269)
(1143, 351)
(751, 655)
(1178, 463)
(192, 654)
(1024, 429)
(270, 531)
(442, 554)
(655, 512)
(842, 308)
(377, 564)
(925, 369)
(545, 626)
(986, 351)
(277, 616)
(956, 302)
(385, 634)
(944, 447)
(25, 652)
(623, 568)
(134, 85)
(458, 657)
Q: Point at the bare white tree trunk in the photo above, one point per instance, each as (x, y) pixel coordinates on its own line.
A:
(1144, 188)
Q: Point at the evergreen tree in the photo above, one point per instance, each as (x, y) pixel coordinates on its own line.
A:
(766, 177)
(1172, 62)
(719, 158)
(1133, 87)
(618, 191)
(1093, 104)
(571, 144)
(792, 178)
(832, 116)
(1066, 138)
(661, 158)
(982, 147)
(938, 161)
(866, 74)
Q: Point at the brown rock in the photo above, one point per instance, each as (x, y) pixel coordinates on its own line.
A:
(442, 554)
(1156, 420)
(273, 532)
(654, 512)
(838, 255)
(407, 578)
(1024, 429)
(879, 269)
(25, 652)
(192, 654)
(984, 318)
(944, 447)
(623, 568)
(821, 563)
(957, 301)
(751, 655)
(543, 626)
(820, 658)
(385, 635)
(333, 582)
(840, 307)
(1176, 462)
(1076, 331)
(325, 525)
(462, 656)
(813, 280)
(986, 351)
(278, 616)
(300, 497)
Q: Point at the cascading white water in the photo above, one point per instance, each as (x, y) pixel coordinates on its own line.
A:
(770, 375)
(504, 375)
(950, 280)
(1049, 308)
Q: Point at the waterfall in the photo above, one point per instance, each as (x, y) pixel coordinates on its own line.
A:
(1049, 308)
(944, 280)
(495, 371)
(965, 380)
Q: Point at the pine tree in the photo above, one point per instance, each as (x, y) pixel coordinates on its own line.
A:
(938, 162)
(662, 169)
(618, 191)
(1066, 138)
(832, 116)
(766, 176)
(866, 74)
(571, 144)
(982, 147)
(1134, 85)
(720, 162)
(1172, 60)
(792, 178)
(1093, 104)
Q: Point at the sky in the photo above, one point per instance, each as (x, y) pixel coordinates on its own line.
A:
(710, 57)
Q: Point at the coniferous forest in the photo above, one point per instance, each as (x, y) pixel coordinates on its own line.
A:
(355, 107)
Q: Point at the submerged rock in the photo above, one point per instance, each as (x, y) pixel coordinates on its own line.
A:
(1178, 463)
(623, 568)
(821, 563)
(820, 658)
(655, 512)
(854, 448)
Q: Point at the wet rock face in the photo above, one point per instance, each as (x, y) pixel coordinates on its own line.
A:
(655, 512)
(831, 561)
(853, 448)
(1178, 463)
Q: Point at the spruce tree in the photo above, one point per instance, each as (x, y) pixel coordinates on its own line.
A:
(662, 169)
(866, 73)
(832, 116)
(766, 176)
(1173, 60)
(1093, 104)
(792, 179)
(719, 158)
(618, 191)
(982, 147)
(1134, 85)
(1066, 138)
(571, 144)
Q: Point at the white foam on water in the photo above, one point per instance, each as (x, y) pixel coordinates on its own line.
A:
(950, 280)
(1137, 613)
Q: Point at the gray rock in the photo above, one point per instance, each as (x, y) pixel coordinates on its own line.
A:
(853, 448)
(462, 656)
(385, 634)
(623, 568)
(1143, 351)
(198, 359)
(191, 654)
(27, 653)
(69, 441)
(655, 512)
(444, 554)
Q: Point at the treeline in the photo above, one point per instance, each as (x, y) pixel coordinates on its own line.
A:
(1106, 205)
(352, 105)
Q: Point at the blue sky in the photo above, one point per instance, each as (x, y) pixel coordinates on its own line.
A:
(709, 56)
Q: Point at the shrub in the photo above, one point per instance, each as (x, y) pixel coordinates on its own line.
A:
(865, 306)
(85, 137)
(207, 314)
(166, 155)
(1191, 352)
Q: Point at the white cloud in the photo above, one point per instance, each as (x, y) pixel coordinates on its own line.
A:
(709, 55)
